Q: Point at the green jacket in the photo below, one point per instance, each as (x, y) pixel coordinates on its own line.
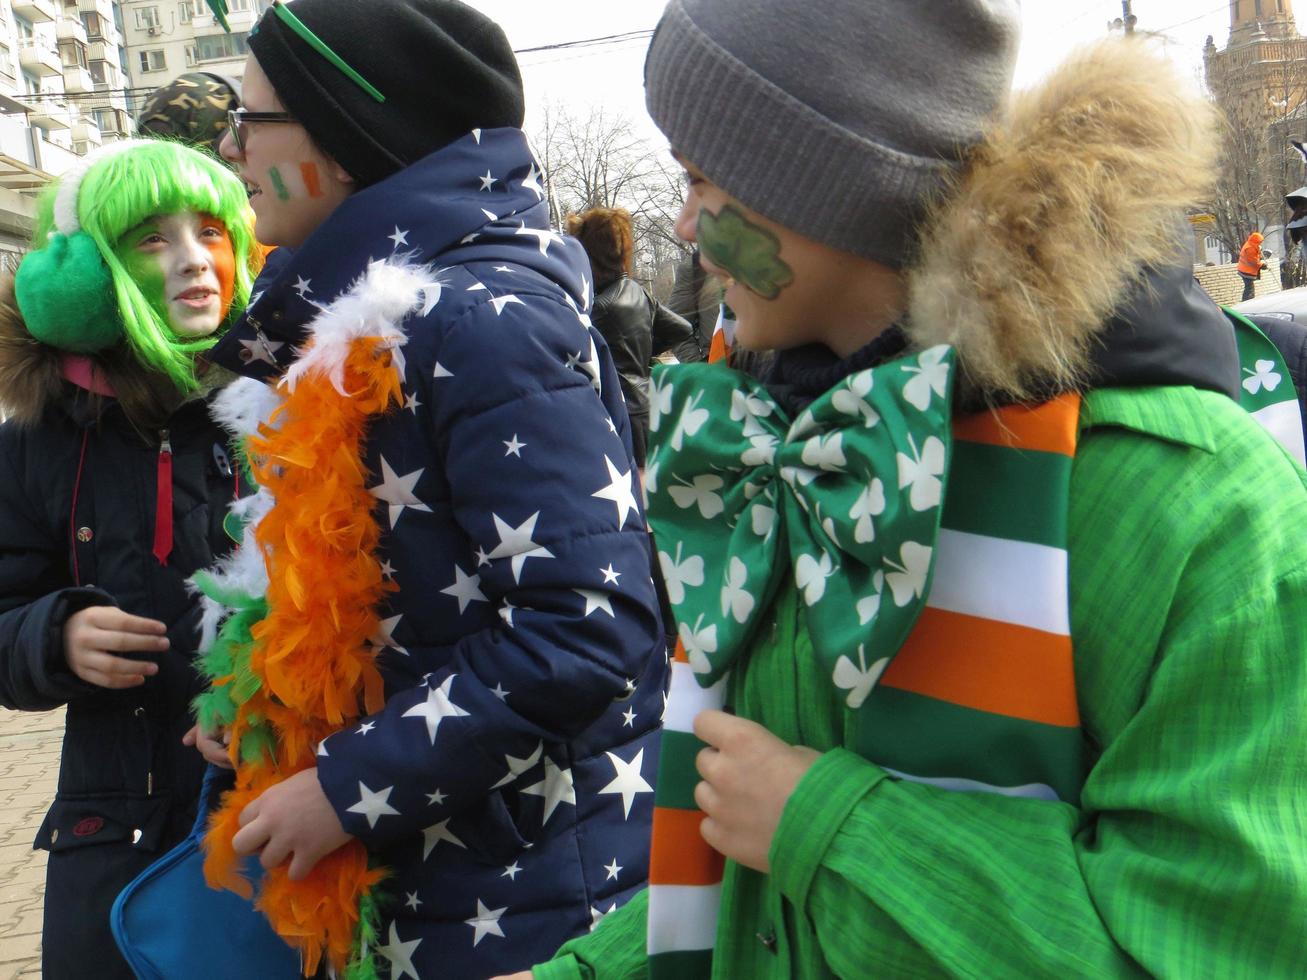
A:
(1188, 854)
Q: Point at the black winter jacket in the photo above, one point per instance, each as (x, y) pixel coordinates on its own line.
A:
(636, 327)
(77, 522)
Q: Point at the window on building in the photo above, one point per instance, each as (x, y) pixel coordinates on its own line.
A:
(99, 72)
(6, 61)
(23, 26)
(31, 84)
(72, 54)
(214, 47)
(192, 55)
(239, 5)
(152, 60)
(1257, 7)
(147, 17)
(185, 11)
(94, 25)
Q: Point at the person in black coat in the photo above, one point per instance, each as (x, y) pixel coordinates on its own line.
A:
(114, 486)
(636, 325)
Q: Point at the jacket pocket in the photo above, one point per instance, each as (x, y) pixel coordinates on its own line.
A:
(492, 832)
(86, 821)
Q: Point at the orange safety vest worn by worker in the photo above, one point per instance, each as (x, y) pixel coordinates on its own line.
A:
(1250, 256)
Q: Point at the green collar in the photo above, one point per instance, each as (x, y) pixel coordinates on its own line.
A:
(1175, 414)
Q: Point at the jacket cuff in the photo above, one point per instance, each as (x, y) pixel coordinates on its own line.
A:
(813, 815)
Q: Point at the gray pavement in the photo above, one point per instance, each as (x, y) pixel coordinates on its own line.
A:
(29, 766)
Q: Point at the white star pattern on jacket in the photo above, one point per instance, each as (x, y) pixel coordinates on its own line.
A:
(466, 589)
(619, 491)
(627, 780)
(518, 766)
(397, 491)
(556, 788)
(372, 805)
(486, 922)
(515, 542)
(400, 955)
(595, 601)
(436, 708)
(436, 833)
(384, 636)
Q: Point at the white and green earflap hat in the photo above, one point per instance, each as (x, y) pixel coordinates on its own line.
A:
(64, 289)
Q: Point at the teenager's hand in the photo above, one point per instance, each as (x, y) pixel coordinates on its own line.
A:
(292, 820)
(93, 637)
(748, 775)
(212, 745)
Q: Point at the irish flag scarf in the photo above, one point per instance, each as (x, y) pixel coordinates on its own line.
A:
(1266, 391)
(909, 537)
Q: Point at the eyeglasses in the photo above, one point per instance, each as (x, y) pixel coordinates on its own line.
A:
(237, 118)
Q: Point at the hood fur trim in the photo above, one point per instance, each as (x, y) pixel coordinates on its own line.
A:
(1075, 193)
(30, 379)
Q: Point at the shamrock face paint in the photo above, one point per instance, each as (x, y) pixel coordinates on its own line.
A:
(747, 251)
(184, 265)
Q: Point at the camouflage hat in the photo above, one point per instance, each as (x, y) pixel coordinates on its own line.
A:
(192, 108)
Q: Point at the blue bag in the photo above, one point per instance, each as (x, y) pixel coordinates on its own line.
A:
(170, 925)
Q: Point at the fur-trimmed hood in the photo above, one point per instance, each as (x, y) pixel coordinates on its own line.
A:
(1064, 239)
(30, 377)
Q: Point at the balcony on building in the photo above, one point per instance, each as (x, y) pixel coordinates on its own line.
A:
(36, 11)
(102, 51)
(86, 131)
(39, 56)
(78, 79)
(71, 29)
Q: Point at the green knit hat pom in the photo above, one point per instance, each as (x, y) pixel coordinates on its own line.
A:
(66, 295)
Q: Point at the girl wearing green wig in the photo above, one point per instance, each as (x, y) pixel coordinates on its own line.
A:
(114, 485)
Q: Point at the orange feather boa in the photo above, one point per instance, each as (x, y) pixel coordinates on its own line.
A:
(312, 651)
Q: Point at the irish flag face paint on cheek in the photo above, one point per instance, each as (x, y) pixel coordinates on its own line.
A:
(292, 181)
(224, 261)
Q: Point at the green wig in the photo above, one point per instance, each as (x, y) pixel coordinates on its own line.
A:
(74, 292)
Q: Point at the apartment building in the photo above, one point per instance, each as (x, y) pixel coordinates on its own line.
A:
(61, 94)
(166, 38)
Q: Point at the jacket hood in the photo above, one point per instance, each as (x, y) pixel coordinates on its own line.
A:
(1056, 263)
(479, 199)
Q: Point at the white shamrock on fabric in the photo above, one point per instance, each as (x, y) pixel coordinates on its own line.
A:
(810, 575)
(660, 402)
(798, 476)
(870, 503)
(858, 679)
(931, 378)
(805, 425)
(764, 521)
(691, 421)
(908, 579)
(762, 451)
(825, 453)
(736, 599)
(922, 472)
(852, 399)
(677, 574)
(745, 406)
(869, 607)
(1265, 377)
(651, 477)
(698, 644)
(701, 493)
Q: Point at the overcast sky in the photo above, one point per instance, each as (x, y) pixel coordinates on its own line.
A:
(611, 75)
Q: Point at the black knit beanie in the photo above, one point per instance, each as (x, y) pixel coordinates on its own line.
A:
(444, 68)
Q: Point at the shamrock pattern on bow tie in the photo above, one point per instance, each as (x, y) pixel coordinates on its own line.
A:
(845, 499)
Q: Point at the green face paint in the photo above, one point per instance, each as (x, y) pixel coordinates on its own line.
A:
(279, 185)
(145, 268)
(748, 252)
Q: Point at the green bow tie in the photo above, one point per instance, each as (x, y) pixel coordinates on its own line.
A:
(847, 498)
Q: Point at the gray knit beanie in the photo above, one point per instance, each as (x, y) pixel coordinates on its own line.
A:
(838, 119)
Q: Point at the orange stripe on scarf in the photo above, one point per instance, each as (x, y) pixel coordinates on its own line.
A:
(312, 651)
(1049, 427)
